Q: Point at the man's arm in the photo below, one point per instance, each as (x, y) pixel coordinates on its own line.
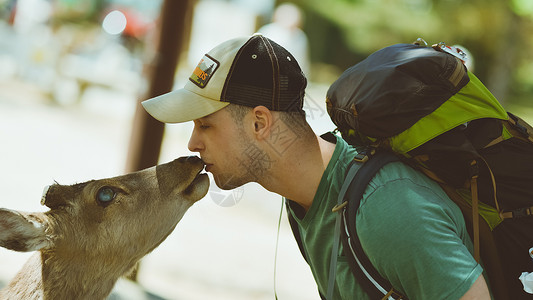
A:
(478, 291)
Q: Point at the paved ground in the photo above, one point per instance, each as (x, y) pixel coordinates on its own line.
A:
(216, 252)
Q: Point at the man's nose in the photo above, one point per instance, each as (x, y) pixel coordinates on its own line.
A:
(195, 144)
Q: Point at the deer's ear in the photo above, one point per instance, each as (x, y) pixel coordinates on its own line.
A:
(54, 195)
(22, 231)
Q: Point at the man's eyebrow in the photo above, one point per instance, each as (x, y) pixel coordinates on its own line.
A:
(205, 118)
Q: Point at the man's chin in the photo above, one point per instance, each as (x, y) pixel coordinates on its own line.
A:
(228, 187)
(225, 184)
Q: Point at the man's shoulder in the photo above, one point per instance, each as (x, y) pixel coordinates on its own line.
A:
(398, 183)
(401, 172)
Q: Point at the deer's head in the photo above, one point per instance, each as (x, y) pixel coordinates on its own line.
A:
(114, 219)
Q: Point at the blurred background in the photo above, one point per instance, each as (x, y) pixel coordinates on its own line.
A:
(72, 74)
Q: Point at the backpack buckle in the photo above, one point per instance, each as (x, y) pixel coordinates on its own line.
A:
(363, 155)
(518, 126)
(521, 212)
(517, 213)
(454, 51)
(393, 294)
(338, 207)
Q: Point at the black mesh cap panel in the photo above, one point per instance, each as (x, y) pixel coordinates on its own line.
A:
(264, 73)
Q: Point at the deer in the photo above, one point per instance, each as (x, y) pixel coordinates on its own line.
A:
(95, 232)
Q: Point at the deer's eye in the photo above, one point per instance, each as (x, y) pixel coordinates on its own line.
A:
(105, 195)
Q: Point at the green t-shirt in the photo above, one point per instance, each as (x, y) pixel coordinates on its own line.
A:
(413, 234)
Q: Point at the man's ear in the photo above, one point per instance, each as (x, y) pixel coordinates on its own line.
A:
(23, 232)
(262, 118)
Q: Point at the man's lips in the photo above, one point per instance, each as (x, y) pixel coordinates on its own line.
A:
(208, 166)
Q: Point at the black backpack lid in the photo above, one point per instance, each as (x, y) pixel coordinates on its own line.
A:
(393, 88)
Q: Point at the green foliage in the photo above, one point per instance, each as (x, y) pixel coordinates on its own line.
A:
(78, 11)
(369, 25)
(496, 32)
(523, 7)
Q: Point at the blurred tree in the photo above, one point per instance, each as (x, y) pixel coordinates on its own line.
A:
(7, 10)
(496, 32)
(522, 85)
(78, 11)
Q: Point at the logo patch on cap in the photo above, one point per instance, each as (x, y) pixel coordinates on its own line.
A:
(204, 71)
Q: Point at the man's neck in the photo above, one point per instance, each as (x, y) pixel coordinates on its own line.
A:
(299, 172)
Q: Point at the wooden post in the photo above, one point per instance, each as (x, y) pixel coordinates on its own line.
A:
(147, 133)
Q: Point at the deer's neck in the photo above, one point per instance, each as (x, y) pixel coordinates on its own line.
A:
(47, 276)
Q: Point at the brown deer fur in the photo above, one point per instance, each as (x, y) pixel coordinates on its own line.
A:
(84, 245)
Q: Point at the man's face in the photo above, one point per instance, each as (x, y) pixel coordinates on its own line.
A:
(227, 148)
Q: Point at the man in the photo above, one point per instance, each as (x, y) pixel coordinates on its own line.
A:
(246, 98)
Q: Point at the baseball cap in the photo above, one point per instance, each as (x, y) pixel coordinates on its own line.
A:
(249, 71)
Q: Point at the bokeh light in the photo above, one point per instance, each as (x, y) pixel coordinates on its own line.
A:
(115, 22)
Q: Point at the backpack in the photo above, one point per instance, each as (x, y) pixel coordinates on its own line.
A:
(422, 106)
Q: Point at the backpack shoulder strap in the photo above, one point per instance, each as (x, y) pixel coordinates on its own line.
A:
(373, 283)
(352, 192)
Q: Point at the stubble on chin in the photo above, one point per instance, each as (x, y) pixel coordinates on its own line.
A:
(227, 182)
(252, 165)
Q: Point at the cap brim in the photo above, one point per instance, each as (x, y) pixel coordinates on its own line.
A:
(181, 106)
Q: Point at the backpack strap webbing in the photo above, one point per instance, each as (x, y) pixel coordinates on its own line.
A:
(475, 209)
(372, 282)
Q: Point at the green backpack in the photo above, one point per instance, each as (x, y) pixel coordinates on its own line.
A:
(422, 104)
